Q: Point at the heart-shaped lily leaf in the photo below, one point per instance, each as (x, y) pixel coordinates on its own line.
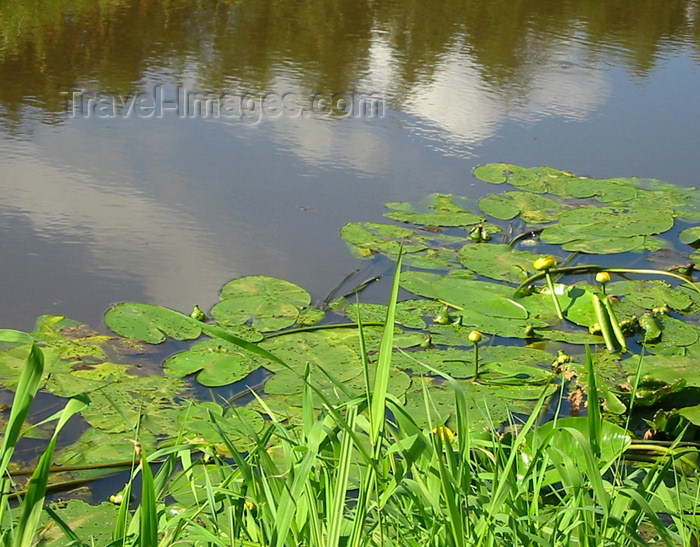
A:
(268, 303)
(152, 324)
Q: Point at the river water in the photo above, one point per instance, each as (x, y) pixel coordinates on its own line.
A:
(154, 150)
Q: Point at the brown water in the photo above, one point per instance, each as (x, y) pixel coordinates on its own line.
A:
(103, 197)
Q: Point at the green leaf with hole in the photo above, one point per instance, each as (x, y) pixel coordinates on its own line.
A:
(152, 324)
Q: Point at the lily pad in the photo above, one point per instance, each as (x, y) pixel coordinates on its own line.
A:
(152, 324)
(267, 302)
(92, 523)
(443, 212)
(314, 348)
(498, 261)
(216, 362)
(504, 363)
(691, 413)
(377, 313)
(532, 208)
(76, 378)
(614, 440)
(605, 190)
(613, 245)
(118, 407)
(469, 295)
(368, 237)
(690, 235)
(650, 294)
(606, 230)
(237, 423)
(487, 406)
(96, 446)
(670, 369)
(498, 173)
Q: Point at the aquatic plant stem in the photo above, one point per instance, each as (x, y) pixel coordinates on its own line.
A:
(592, 268)
(312, 328)
(614, 323)
(603, 322)
(550, 285)
(475, 337)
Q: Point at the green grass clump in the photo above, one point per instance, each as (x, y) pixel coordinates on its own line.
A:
(365, 472)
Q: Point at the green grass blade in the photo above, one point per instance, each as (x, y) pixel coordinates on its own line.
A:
(25, 392)
(340, 483)
(36, 493)
(381, 380)
(148, 515)
(595, 419)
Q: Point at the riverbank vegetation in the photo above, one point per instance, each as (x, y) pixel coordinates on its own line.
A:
(529, 389)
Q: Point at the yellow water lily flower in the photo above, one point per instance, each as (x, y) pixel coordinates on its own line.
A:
(602, 277)
(544, 263)
(474, 336)
(445, 433)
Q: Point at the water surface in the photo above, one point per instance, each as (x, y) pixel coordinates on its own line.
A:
(101, 208)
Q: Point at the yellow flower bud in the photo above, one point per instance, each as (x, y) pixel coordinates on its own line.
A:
(544, 263)
(445, 433)
(602, 277)
(474, 336)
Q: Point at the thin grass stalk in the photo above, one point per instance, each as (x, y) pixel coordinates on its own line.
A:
(442, 450)
(119, 531)
(377, 414)
(500, 492)
(594, 417)
(291, 498)
(337, 509)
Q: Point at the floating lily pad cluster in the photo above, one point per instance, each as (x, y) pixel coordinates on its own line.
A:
(78, 360)
(470, 266)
